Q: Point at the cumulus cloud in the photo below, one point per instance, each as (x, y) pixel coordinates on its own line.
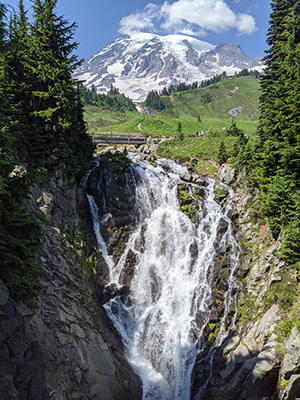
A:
(140, 20)
(194, 17)
(246, 24)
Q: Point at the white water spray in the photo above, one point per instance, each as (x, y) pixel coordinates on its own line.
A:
(170, 284)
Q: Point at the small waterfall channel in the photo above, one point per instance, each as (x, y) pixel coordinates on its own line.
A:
(172, 277)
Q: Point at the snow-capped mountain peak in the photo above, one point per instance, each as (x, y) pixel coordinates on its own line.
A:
(142, 62)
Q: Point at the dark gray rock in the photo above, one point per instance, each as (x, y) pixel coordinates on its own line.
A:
(21, 358)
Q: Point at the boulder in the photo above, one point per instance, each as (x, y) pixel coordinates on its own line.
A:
(226, 174)
(291, 361)
(186, 177)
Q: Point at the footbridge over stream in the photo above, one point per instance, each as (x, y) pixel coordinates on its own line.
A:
(109, 138)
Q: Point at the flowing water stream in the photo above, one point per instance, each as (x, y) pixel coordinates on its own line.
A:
(171, 282)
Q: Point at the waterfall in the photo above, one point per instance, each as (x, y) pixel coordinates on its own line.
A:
(172, 279)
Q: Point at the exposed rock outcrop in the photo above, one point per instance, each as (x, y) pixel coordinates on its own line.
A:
(21, 358)
(66, 348)
(253, 362)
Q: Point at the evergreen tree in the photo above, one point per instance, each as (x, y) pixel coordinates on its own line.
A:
(222, 154)
(280, 101)
(2, 25)
(279, 124)
(179, 131)
(19, 232)
(17, 81)
(154, 101)
(57, 129)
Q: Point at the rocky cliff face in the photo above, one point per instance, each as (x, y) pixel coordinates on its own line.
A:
(66, 348)
(261, 357)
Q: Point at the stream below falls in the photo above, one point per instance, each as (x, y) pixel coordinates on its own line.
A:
(172, 278)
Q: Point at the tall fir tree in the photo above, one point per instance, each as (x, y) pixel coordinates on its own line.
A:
(279, 124)
(19, 231)
(279, 103)
(57, 130)
(17, 80)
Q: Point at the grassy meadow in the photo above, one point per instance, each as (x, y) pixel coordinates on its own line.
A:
(199, 109)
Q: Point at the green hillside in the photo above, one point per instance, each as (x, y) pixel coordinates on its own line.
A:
(216, 100)
(161, 125)
(211, 103)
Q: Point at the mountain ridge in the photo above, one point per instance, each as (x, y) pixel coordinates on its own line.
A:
(142, 62)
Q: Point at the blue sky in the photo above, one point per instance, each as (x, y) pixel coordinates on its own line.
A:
(244, 22)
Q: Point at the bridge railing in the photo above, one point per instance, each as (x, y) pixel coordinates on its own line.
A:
(117, 137)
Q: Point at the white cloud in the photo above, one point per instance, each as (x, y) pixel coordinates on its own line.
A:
(246, 24)
(140, 20)
(194, 17)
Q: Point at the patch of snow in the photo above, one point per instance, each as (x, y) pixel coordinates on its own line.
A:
(115, 68)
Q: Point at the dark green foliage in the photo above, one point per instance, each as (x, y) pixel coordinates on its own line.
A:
(58, 132)
(181, 87)
(278, 203)
(118, 161)
(279, 128)
(291, 245)
(20, 233)
(273, 159)
(2, 25)
(179, 131)
(20, 243)
(112, 101)
(233, 130)
(214, 79)
(206, 99)
(222, 154)
(154, 101)
(41, 123)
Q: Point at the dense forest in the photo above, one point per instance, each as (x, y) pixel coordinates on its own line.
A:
(113, 100)
(272, 158)
(42, 128)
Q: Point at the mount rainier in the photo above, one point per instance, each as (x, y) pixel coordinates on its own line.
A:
(142, 62)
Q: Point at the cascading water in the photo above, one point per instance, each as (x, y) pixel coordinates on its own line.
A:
(171, 282)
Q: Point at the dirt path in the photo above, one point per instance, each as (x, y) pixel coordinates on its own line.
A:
(139, 126)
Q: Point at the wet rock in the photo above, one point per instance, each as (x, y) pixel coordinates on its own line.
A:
(186, 177)
(194, 250)
(128, 270)
(112, 290)
(233, 214)
(200, 180)
(222, 227)
(198, 192)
